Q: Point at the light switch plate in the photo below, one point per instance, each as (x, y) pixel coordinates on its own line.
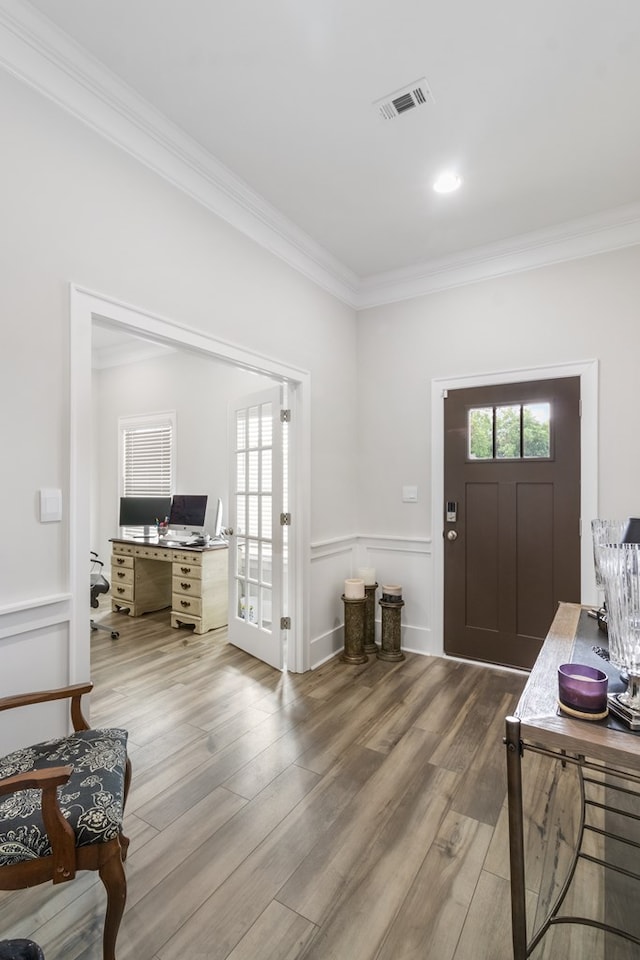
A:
(409, 494)
(50, 505)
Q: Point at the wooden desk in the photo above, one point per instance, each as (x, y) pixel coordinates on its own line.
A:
(190, 580)
(607, 758)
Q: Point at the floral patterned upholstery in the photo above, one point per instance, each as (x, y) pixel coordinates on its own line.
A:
(20, 950)
(92, 800)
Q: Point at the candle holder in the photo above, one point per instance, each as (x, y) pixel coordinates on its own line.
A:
(582, 691)
(370, 645)
(391, 636)
(354, 617)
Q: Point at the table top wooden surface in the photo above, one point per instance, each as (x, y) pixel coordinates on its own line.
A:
(537, 710)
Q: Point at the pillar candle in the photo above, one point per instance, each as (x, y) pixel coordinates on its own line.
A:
(393, 589)
(354, 589)
(368, 574)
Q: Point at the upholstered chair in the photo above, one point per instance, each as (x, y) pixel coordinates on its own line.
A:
(61, 807)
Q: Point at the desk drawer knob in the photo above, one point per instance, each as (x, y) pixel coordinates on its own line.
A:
(185, 569)
(120, 589)
(119, 573)
(185, 603)
(185, 586)
(119, 559)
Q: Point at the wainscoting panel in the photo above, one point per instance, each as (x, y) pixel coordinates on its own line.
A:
(34, 655)
(332, 562)
(405, 561)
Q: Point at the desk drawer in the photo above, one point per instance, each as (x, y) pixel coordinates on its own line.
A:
(190, 557)
(122, 591)
(186, 569)
(124, 549)
(181, 603)
(119, 560)
(121, 574)
(192, 586)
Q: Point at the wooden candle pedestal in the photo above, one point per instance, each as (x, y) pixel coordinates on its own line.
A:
(354, 618)
(390, 639)
(370, 645)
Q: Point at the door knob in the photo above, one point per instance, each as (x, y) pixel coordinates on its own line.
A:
(452, 535)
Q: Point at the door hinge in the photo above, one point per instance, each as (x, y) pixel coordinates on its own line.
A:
(445, 394)
(285, 416)
(285, 519)
(285, 623)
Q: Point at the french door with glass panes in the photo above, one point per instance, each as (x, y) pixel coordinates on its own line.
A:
(258, 546)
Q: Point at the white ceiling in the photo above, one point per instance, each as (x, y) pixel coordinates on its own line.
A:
(535, 104)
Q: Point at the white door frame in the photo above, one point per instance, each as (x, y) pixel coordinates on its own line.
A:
(86, 305)
(587, 370)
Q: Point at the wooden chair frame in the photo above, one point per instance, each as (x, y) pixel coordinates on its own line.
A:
(66, 859)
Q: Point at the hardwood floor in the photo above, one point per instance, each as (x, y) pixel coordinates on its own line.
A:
(355, 813)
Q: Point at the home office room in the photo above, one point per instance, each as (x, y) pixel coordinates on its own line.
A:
(140, 390)
(254, 197)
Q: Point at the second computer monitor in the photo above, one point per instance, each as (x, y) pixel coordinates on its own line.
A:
(188, 512)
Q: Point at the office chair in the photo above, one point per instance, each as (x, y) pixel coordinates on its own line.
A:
(99, 584)
(62, 806)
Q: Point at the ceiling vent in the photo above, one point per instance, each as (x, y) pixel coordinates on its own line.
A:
(402, 101)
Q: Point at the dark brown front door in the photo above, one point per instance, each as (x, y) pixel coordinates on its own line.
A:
(512, 516)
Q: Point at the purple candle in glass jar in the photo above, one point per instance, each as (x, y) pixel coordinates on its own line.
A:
(582, 688)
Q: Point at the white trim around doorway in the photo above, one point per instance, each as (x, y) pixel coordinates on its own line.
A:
(85, 306)
(587, 370)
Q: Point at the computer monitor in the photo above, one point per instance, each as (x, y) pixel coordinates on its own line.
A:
(188, 512)
(143, 512)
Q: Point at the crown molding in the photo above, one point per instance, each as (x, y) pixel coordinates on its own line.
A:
(584, 237)
(41, 55)
(35, 51)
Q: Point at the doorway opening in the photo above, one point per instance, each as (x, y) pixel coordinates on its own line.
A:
(587, 372)
(87, 308)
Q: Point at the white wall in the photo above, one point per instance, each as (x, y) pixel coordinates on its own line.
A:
(576, 311)
(77, 209)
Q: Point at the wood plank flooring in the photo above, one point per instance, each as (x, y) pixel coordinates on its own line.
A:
(351, 813)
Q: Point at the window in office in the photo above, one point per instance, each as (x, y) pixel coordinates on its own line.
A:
(147, 455)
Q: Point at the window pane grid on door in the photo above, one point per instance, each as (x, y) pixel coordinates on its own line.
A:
(515, 431)
(253, 427)
(254, 550)
(266, 472)
(266, 564)
(241, 472)
(253, 470)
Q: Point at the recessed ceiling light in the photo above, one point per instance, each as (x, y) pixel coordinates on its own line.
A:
(447, 182)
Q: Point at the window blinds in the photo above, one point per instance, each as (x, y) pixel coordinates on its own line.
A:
(147, 460)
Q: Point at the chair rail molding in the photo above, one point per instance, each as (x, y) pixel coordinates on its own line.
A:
(34, 614)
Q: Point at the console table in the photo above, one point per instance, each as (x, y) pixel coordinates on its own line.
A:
(190, 580)
(606, 756)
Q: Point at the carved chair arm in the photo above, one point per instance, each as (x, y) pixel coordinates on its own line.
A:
(60, 833)
(74, 693)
